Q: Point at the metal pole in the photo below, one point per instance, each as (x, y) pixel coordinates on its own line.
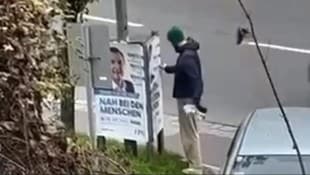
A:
(122, 35)
(150, 146)
(89, 88)
(122, 20)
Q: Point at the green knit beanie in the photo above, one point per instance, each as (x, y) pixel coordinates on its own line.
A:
(175, 35)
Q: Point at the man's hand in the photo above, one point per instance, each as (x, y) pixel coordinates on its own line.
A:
(167, 69)
(163, 66)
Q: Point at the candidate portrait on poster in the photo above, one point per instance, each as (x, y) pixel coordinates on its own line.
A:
(120, 72)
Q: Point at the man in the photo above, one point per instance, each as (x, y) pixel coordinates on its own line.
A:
(188, 89)
(117, 68)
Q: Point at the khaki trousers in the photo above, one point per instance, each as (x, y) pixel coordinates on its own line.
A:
(189, 134)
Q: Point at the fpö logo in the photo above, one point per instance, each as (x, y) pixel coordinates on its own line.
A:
(139, 132)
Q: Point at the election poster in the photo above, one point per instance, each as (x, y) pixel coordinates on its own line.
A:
(121, 111)
(153, 46)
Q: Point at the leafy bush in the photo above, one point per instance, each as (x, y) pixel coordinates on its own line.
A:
(31, 68)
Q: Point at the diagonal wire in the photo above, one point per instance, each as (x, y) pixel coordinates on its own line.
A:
(289, 128)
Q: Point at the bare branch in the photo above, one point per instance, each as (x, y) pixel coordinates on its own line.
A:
(12, 138)
(13, 162)
(14, 154)
(116, 164)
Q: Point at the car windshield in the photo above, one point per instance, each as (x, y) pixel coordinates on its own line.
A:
(270, 164)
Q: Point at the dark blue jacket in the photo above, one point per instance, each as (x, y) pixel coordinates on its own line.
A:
(188, 82)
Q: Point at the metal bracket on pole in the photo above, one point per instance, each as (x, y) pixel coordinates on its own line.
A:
(94, 58)
(154, 33)
(91, 61)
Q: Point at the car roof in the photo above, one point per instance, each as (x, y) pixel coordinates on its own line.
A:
(267, 134)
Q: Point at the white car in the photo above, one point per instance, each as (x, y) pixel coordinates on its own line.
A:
(262, 144)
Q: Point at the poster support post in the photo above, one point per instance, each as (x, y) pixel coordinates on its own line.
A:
(150, 146)
(89, 88)
(155, 93)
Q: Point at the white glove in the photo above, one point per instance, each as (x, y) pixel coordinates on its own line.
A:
(189, 109)
(163, 66)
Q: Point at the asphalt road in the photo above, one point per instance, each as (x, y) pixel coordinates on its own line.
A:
(234, 77)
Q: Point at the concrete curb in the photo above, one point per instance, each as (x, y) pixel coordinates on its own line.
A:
(207, 121)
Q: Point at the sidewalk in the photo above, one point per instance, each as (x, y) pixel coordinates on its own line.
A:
(215, 140)
(206, 127)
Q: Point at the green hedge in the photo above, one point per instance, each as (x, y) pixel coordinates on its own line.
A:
(165, 163)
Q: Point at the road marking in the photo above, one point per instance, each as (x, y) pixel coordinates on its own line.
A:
(227, 129)
(278, 47)
(214, 126)
(108, 20)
